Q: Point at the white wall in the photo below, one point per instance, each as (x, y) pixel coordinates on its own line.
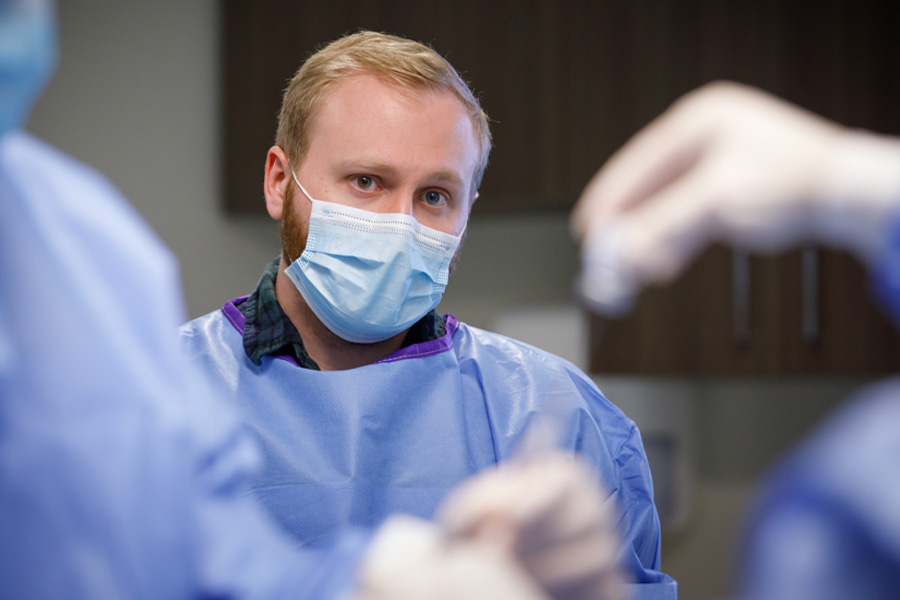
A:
(136, 96)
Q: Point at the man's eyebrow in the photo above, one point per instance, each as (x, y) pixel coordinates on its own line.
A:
(447, 177)
(367, 166)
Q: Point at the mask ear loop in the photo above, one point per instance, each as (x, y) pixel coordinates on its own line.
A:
(305, 193)
(300, 185)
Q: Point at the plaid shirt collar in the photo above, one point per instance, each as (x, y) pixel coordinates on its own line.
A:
(267, 330)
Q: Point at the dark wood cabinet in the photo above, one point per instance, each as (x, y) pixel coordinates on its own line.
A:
(787, 319)
(566, 83)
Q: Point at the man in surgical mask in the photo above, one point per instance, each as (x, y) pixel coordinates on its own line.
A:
(121, 474)
(365, 399)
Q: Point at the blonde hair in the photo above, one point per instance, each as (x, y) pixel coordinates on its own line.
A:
(398, 60)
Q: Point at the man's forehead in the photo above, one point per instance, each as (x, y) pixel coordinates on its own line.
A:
(360, 89)
(377, 121)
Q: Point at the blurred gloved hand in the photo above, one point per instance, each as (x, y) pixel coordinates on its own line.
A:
(411, 559)
(734, 164)
(548, 510)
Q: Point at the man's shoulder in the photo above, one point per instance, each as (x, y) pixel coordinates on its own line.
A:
(541, 377)
(208, 329)
(506, 357)
(499, 345)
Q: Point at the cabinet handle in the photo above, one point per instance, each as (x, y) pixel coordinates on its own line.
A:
(809, 266)
(740, 297)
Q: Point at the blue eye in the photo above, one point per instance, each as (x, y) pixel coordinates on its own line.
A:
(434, 198)
(365, 182)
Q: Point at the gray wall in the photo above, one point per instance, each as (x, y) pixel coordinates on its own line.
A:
(136, 97)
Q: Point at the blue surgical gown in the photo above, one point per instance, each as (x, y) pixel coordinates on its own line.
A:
(826, 525)
(348, 448)
(120, 475)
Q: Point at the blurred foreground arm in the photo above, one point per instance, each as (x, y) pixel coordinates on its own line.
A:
(549, 512)
(411, 559)
(730, 163)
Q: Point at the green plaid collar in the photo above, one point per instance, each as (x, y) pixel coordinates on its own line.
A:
(267, 330)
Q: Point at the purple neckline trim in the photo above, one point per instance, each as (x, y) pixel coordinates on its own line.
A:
(426, 348)
(236, 318)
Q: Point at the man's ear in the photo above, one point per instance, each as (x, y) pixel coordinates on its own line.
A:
(472, 203)
(278, 175)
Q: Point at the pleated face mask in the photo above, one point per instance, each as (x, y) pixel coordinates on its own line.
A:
(368, 276)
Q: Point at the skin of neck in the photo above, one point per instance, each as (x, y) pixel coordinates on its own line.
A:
(331, 353)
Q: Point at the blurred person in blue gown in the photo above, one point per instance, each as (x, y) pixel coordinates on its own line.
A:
(120, 476)
(732, 164)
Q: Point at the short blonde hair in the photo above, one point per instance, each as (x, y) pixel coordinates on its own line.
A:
(405, 62)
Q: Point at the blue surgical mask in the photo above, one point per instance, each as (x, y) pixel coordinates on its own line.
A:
(368, 276)
(27, 57)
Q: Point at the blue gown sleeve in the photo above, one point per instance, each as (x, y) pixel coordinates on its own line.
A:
(633, 487)
(800, 551)
(825, 525)
(641, 528)
(121, 475)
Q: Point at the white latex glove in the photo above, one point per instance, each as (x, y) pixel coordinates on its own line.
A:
(411, 559)
(549, 511)
(734, 164)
